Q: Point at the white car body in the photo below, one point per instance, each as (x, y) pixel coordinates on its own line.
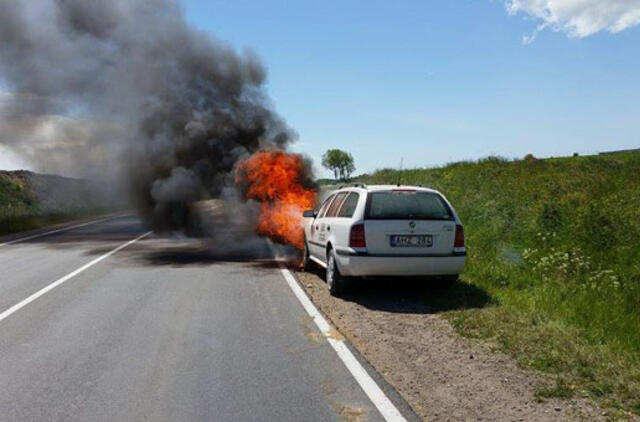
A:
(330, 231)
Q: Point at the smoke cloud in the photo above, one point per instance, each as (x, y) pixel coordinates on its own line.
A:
(125, 90)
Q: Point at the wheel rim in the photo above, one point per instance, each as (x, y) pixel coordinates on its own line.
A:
(330, 270)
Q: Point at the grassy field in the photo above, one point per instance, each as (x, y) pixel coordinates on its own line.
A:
(556, 245)
(22, 206)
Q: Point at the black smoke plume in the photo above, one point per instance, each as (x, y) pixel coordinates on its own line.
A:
(126, 91)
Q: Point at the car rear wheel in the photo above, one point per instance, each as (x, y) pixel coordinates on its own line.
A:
(335, 281)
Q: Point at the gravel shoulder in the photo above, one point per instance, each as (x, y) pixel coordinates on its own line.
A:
(398, 327)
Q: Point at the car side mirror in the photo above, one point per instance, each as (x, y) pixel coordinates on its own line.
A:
(309, 214)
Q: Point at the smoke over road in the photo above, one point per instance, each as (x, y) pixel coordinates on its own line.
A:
(126, 91)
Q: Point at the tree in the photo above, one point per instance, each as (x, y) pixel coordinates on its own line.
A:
(340, 162)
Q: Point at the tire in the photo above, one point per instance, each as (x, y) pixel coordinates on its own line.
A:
(305, 262)
(336, 282)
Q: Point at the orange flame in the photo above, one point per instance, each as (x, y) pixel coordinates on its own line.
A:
(274, 179)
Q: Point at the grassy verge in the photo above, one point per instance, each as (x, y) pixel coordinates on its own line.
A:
(21, 210)
(556, 244)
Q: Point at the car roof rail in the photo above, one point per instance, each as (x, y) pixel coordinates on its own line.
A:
(355, 185)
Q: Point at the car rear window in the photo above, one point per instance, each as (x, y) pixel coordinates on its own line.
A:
(349, 205)
(333, 209)
(407, 205)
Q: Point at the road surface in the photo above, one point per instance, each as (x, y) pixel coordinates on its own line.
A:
(160, 330)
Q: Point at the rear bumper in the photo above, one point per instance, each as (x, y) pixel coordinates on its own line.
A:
(371, 265)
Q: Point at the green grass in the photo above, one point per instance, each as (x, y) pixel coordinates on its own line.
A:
(20, 209)
(556, 244)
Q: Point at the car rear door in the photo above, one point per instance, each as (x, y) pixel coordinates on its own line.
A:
(342, 222)
(408, 222)
(327, 226)
(331, 221)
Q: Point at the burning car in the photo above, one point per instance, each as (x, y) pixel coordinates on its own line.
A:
(283, 185)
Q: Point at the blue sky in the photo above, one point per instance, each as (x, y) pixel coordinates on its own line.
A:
(434, 81)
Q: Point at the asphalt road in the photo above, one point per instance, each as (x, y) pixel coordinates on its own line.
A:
(162, 330)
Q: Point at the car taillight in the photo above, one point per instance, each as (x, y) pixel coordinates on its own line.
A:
(458, 244)
(356, 237)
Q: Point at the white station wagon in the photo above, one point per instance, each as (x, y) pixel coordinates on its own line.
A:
(364, 230)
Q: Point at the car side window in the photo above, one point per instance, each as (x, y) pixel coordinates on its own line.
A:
(325, 205)
(349, 205)
(333, 209)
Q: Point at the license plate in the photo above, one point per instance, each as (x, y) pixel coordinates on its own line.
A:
(413, 240)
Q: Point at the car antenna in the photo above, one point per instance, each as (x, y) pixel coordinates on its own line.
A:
(400, 171)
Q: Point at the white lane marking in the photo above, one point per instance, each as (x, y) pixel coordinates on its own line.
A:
(63, 229)
(388, 411)
(59, 281)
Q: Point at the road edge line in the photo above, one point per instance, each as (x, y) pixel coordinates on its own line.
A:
(62, 229)
(58, 282)
(379, 399)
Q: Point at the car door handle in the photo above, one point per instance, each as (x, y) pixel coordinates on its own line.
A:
(329, 228)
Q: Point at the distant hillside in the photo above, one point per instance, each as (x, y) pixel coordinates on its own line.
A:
(29, 200)
(556, 244)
